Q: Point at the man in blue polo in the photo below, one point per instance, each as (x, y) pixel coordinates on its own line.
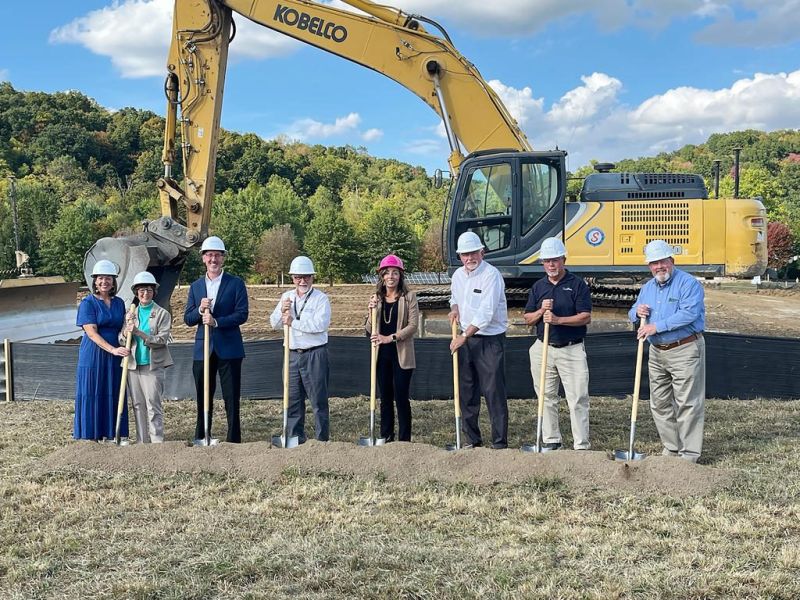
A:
(672, 304)
(562, 300)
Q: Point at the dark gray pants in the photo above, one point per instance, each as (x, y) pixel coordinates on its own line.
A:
(481, 364)
(308, 378)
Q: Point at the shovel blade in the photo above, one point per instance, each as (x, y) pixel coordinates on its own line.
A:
(536, 449)
(452, 447)
(365, 440)
(278, 441)
(205, 442)
(625, 455)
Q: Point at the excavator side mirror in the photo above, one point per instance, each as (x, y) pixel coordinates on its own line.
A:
(437, 178)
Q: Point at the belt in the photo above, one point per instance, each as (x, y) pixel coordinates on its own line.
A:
(301, 350)
(671, 345)
(565, 344)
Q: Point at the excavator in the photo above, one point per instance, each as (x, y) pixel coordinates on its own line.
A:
(509, 194)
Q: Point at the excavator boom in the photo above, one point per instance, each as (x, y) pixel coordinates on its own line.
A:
(383, 38)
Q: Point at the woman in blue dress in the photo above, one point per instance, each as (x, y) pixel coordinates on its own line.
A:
(102, 316)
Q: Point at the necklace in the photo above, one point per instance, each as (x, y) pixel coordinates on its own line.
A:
(388, 319)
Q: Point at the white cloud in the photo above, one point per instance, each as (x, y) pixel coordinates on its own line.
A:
(426, 147)
(591, 122)
(135, 35)
(520, 103)
(773, 23)
(310, 129)
(737, 22)
(4, 75)
(516, 17)
(372, 135)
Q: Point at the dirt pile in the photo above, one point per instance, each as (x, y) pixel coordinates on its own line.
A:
(399, 462)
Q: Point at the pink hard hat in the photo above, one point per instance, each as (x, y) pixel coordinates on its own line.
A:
(390, 260)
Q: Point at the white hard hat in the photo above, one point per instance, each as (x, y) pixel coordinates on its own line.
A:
(212, 243)
(468, 242)
(144, 278)
(552, 247)
(302, 265)
(104, 267)
(657, 250)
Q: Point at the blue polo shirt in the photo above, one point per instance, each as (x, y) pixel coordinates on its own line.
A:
(570, 297)
(676, 308)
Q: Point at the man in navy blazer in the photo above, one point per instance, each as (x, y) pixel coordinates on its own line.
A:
(220, 301)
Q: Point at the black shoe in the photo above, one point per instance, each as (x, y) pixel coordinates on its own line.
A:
(552, 446)
(470, 446)
(499, 446)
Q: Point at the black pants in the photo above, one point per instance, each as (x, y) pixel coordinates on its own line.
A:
(481, 363)
(393, 383)
(230, 379)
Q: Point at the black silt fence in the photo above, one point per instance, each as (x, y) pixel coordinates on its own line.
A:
(737, 366)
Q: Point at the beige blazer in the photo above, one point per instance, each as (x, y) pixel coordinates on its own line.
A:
(407, 320)
(160, 336)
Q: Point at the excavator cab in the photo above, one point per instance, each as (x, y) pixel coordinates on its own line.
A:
(512, 200)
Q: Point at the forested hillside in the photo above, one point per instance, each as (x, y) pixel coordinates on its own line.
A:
(82, 172)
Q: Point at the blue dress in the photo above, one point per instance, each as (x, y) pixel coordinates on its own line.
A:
(99, 373)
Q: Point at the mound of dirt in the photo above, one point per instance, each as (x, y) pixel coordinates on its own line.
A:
(399, 462)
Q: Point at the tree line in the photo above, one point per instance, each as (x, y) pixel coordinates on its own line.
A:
(82, 172)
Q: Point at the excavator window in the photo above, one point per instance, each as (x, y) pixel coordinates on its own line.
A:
(539, 192)
(487, 204)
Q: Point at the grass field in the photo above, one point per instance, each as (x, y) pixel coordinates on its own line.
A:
(72, 532)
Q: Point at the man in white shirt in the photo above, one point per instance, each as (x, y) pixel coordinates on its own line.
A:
(307, 311)
(478, 304)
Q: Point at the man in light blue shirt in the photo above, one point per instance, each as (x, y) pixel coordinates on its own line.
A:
(672, 313)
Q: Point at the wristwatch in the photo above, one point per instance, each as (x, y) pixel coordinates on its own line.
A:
(464, 335)
(394, 338)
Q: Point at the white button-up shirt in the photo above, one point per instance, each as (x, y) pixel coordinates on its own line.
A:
(212, 288)
(311, 317)
(481, 299)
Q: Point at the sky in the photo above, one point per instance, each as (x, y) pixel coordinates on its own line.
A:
(601, 79)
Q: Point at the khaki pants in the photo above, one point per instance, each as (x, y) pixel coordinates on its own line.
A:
(677, 397)
(145, 388)
(568, 366)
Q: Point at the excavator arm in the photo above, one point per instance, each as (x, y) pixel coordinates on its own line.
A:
(384, 39)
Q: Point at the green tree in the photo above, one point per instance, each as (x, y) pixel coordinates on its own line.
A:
(64, 246)
(332, 244)
(386, 230)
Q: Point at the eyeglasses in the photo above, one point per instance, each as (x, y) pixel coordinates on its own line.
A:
(148, 290)
(302, 276)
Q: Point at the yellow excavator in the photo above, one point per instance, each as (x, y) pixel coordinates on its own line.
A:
(509, 194)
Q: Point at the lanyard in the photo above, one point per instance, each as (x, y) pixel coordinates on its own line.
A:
(302, 308)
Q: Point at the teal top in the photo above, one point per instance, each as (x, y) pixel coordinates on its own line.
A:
(142, 351)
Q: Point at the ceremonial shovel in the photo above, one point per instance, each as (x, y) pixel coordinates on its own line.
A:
(284, 441)
(537, 447)
(124, 384)
(207, 440)
(630, 453)
(456, 396)
(371, 440)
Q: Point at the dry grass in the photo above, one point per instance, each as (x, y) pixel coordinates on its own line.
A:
(73, 532)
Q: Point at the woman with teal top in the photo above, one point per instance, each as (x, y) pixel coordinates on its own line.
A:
(150, 327)
(101, 315)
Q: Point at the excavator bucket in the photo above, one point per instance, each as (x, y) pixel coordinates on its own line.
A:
(38, 310)
(137, 253)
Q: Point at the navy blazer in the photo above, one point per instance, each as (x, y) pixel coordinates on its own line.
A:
(231, 309)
